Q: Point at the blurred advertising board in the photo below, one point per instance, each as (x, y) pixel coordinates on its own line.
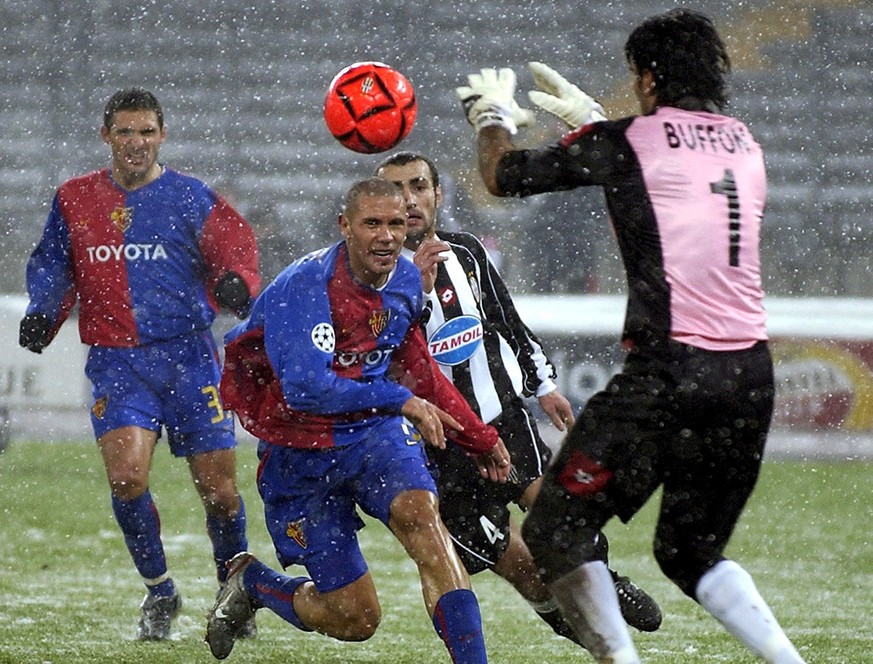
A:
(823, 352)
(54, 379)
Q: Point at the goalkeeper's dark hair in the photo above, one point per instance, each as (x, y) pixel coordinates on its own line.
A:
(686, 56)
(403, 158)
(132, 99)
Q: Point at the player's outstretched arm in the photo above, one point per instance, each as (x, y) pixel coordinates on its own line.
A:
(489, 103)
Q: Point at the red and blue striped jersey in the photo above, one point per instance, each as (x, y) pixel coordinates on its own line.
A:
(142, 264)
(322, 356)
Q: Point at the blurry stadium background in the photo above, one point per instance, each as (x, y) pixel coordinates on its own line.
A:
(242, 84)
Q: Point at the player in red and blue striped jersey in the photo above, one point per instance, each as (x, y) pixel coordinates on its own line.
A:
(332, 373)
(149, 255)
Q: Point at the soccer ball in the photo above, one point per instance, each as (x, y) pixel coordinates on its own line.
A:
(369, 107)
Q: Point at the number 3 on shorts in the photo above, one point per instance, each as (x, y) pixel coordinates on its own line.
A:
(214, 402)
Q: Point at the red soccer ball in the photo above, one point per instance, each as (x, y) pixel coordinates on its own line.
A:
(369, 107)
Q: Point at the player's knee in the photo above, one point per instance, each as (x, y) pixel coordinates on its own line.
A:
(559, 549)
(679, 564)
(221, 500)
(127, 483)
(414, 512)
(360, 628)
(517, 566)
(360, 623)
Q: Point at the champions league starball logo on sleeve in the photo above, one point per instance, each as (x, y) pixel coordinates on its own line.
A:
(456, 341)
(323, 337)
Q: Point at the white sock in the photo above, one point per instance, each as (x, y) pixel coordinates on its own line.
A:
(728, 593)
(589, 604)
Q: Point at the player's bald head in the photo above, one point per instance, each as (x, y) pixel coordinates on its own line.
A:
(369, 188)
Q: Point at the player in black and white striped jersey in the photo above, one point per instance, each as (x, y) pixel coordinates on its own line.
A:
(482, 345)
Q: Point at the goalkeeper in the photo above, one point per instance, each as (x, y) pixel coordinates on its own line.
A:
(685, 189)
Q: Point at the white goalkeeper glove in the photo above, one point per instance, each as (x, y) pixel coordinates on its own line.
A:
(560, 97)
(489, 101)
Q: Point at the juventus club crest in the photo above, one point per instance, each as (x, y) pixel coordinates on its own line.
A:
(378, 322)
(122, 217)
(474, 287)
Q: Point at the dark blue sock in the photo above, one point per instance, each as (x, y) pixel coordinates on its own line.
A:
(141, 526)
(228, 538)
(274, 591)
(459, 624)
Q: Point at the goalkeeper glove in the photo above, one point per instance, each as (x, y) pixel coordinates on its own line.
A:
(232, 293)
(489, 101)
(561, 98)
(34, 332)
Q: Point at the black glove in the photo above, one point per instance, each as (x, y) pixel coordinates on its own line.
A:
(34, 332)
(232, 293)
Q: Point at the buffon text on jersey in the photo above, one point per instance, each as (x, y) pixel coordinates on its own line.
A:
(708, 138)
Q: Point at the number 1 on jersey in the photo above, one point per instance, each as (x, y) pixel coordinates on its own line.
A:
(727, 186)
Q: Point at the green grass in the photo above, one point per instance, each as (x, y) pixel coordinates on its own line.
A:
(69, 593)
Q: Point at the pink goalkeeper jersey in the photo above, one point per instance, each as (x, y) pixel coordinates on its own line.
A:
(685, 192)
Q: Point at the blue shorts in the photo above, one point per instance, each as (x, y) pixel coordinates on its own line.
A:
(310, 497)
(171, 384)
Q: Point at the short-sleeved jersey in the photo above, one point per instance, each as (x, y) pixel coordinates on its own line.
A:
(322, 356)
(475, 334)
(142, 264)
(685, 192)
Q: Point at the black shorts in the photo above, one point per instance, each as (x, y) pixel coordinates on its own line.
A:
(694, 421)
(475, 510)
